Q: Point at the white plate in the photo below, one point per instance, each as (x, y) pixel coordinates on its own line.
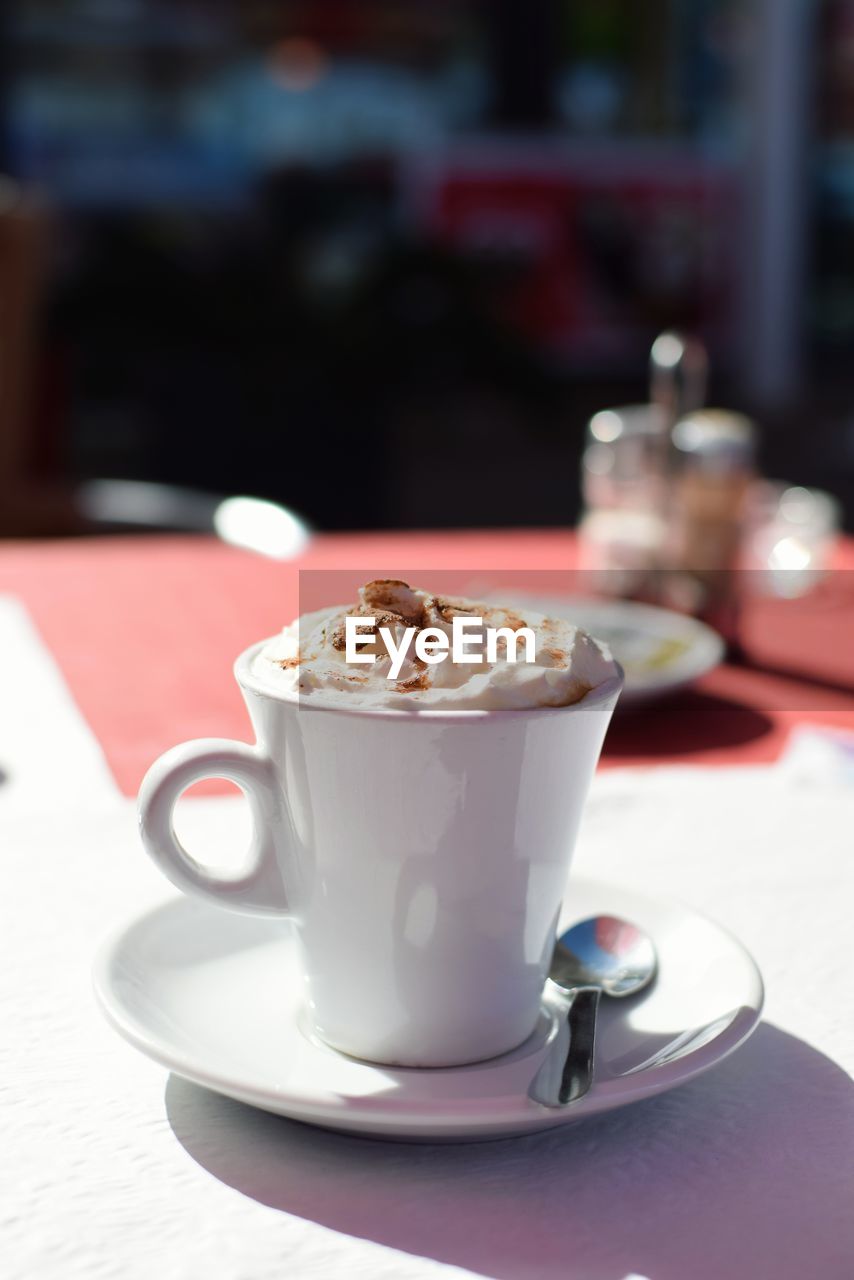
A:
(659, 650)
(217, 998)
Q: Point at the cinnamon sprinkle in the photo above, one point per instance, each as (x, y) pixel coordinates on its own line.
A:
(413, 684)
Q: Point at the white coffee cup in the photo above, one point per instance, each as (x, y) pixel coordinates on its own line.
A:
(422, 858)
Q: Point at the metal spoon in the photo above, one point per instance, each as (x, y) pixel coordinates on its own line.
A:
(601, 955)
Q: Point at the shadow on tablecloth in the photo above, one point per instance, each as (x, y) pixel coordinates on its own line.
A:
(684, 724)
(744, 1173)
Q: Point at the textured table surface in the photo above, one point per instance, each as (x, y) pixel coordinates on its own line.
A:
(111, 1168)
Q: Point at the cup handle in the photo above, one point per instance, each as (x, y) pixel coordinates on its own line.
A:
(258, 888)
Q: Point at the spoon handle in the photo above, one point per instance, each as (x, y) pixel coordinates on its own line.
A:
(577, 1073)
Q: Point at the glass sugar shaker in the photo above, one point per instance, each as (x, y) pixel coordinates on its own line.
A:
(712, 468)
(625, 473)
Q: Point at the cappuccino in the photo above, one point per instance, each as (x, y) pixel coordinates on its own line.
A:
(404, 648)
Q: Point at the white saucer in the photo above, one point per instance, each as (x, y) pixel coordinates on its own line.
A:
(661, 651)
(216, 997)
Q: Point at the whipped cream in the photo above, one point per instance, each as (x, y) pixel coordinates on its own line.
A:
(309, 657)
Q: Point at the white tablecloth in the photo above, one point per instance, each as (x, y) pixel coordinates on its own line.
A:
(112, 1169)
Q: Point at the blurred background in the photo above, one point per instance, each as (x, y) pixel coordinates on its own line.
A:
(381, 261)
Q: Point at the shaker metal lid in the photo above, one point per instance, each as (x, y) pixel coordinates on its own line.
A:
(715, 439)
(609, 426)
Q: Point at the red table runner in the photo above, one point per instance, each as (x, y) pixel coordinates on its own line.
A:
(145, 631)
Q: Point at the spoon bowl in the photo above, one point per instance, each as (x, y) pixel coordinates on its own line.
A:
(604, 952)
